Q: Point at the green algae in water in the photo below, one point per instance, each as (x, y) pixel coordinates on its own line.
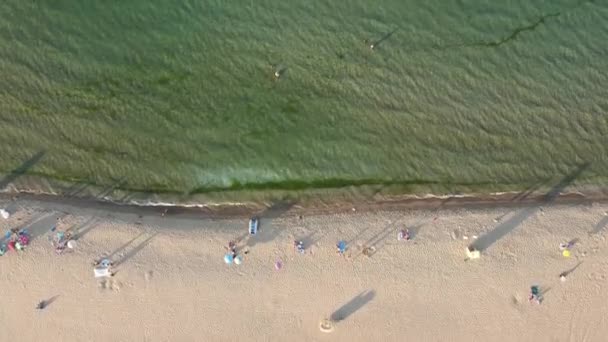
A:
(183, 98)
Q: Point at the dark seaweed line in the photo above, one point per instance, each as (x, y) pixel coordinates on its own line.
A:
(518, 31)
(294, 185)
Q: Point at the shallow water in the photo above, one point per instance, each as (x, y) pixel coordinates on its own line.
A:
(169, 97)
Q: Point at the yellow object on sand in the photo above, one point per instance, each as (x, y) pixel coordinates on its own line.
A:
(326, 325)
(566, 253)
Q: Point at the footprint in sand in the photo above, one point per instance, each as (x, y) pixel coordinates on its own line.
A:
(109, 284)
(115, 286)
(597, 277)
(516, 301)
(369, 251)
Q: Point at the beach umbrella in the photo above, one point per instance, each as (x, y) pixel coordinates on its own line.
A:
(228, 258)
(5, 214)
(238, 259)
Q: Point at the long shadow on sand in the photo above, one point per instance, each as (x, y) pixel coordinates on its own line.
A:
(79, 231)
(353, 305)
(109, 189)
(567, 273)
(276, 210)
(41, 223)
(379, 240)
(600, 226)
(22, 169)
(487, 240)
(131, 253)
(267, 232)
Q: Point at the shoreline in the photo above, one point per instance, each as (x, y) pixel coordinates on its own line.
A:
(564, 190)
(172, 284)
(294, 208)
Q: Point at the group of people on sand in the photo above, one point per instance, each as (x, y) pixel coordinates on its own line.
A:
(61, 240)
(232, 255)
(14, 240)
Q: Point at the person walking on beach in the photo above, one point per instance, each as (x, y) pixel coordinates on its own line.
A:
(341, 246)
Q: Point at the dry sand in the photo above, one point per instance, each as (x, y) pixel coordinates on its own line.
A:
(172, 284)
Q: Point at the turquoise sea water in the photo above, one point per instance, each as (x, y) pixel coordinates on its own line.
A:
(181, 96)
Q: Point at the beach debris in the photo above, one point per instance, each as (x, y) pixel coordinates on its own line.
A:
(278, 265)
(472, 253)
(5, 214)
(299, 246)
(403, 235)
(535, 295)
(254, 223)
(326, 325)
(341, 246)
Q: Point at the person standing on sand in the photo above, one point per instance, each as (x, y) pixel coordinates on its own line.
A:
(404, 234)
(341, 245)
(41, 305)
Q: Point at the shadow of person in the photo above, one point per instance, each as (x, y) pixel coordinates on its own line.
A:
(353, 306)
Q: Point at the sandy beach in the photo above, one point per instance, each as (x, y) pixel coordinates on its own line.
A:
(171, 283)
